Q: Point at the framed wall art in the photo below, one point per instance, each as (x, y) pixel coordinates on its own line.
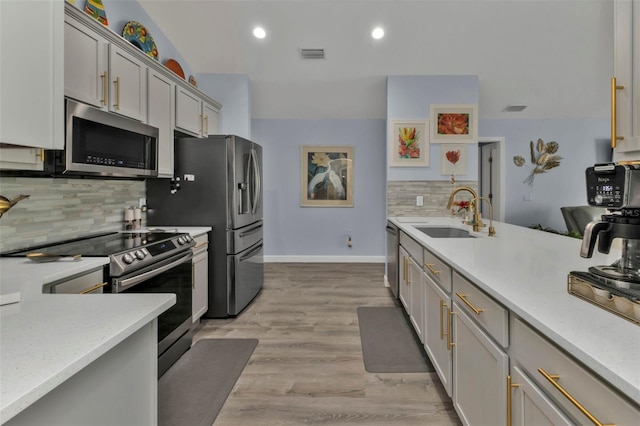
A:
(453, 159)
(409, 143)
(326, 176)
(454, 123)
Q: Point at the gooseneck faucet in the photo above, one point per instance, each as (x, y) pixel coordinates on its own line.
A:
(477, 222)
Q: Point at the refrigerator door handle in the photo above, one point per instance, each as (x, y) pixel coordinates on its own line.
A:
(250, 253)
(256, 180)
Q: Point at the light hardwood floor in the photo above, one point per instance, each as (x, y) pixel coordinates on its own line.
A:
(308, 368)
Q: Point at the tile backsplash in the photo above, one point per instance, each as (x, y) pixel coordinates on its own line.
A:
(60, 209)
(401, 197)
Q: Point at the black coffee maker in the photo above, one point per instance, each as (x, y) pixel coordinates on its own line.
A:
(614, 287)
(616, 187)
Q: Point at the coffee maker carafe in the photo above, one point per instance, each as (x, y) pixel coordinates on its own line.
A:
(616, 187)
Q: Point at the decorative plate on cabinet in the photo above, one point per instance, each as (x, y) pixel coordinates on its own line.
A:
(136, 34)
(95, 9)
(174, 66)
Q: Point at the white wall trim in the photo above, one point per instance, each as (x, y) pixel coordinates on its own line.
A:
(324, 259)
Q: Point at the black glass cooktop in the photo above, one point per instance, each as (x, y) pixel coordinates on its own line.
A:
(98, 246)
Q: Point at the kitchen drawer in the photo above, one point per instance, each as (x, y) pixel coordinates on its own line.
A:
(414, 248)
(202, 243)
(91, 282)
(535, 354)
(437, 270)
(488, 313)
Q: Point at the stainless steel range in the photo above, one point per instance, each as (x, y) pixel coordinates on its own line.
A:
(154, 262)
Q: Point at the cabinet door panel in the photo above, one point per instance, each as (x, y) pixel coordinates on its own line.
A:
(210, 118)
(480, 369)
(127, 88)
(85, 65)
(404, 290)
(435, 331)
(188, 112)
(160, 103)
(200, 285)
(530, 406)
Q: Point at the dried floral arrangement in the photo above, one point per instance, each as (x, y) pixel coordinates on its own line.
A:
(542, 158)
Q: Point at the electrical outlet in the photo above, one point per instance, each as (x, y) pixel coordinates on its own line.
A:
(528, 197)
(419, 201)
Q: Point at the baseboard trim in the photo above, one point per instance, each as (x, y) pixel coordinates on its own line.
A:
(324, 259)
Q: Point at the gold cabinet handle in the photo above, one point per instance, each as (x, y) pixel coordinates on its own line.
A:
(206, 120)
(430, 268)
(614, 137)
(463, 297)
(405, 269)
(105, 88)
(553, 379)
(40, 154)
(509, 386)
(116, 82)
(95, 287)
(201, 124)
(449, 316)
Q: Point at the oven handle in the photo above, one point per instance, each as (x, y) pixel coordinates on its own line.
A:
(143, 277)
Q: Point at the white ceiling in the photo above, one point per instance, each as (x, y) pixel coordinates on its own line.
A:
(554, 56)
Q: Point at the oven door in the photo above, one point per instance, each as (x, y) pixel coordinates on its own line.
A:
(172, 275)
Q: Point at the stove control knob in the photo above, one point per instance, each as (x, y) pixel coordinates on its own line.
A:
(181, 240)
(140, 254)
(187, 238)
(128, 259)
(598, 199)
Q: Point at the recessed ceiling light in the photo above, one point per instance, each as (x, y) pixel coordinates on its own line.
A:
(377, 33)
(258, 32)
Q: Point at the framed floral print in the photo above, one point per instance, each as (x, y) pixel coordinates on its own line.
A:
(453, 159)
(454, 123)
(409, 143)
(326, 176)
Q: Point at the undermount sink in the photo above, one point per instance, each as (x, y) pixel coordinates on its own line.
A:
(444, 232)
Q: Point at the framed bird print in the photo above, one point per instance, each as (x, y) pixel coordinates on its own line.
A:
(326, 176)
(409, 143)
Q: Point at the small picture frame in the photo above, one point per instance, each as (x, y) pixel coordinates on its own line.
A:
(409, 143)
(453, 159)
(454, 123)
(326, 176)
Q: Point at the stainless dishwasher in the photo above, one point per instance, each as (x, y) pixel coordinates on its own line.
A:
(392, 257)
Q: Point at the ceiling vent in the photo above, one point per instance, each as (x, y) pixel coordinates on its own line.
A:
(514, 108)
(312, 53)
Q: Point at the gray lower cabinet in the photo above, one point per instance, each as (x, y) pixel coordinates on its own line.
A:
(200, 283)
(86, 283)
(529, 405)
(480, 368)
(497, 369)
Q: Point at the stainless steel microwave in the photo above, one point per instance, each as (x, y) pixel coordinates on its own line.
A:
(106, 144)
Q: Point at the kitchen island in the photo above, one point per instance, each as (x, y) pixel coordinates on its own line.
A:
(76, 359)
(526, 271)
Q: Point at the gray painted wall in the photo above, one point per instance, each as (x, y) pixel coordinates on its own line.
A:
(292, 230)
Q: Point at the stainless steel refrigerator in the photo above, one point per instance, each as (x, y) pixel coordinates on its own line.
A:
(220, 185)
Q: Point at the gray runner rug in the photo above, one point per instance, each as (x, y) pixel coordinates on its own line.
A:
(194, 389)
(388, 342)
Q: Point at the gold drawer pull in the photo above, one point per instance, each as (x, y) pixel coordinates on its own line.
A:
(552, 378)
(449, 316)
(463, 297)
(430, 268)
(95, 287)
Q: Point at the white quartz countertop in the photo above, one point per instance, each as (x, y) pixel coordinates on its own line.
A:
(526, 270)
(46, 340)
